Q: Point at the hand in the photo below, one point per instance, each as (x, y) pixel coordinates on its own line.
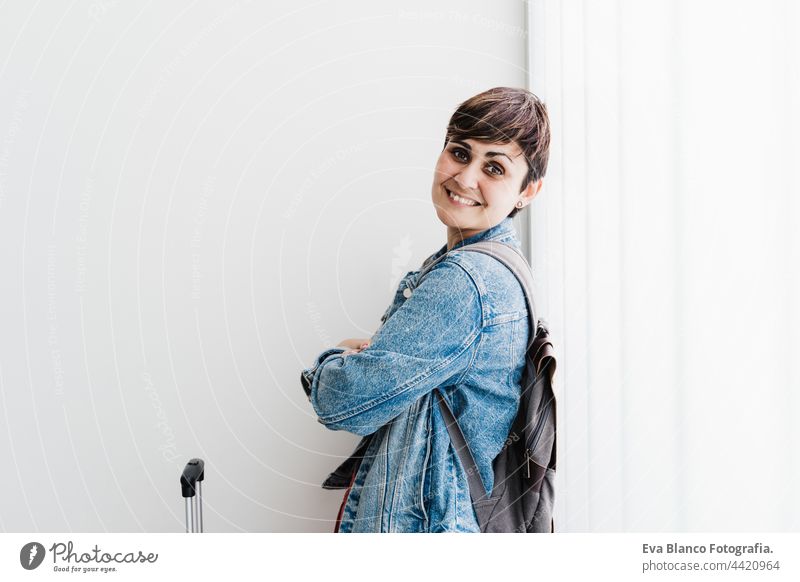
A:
(354, 345)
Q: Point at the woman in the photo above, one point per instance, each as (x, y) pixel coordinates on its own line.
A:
(461, 330)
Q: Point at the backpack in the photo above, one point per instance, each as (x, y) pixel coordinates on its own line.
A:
(523, 494)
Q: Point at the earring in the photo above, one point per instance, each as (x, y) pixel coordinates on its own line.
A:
(519, 204)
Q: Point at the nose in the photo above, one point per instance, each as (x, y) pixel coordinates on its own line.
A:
(467, 178)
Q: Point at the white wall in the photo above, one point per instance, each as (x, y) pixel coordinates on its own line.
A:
(196, 199)
(666, 240)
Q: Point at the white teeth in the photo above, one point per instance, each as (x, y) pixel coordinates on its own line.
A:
(458, 198)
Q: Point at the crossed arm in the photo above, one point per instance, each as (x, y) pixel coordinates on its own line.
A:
(428, 342)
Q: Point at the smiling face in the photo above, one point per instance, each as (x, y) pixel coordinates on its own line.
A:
(476, 185)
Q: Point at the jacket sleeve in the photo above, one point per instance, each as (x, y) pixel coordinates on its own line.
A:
(429, 340)
(307, 375)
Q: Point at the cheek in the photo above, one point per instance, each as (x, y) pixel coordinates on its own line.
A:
(501, 199)
(444, 168)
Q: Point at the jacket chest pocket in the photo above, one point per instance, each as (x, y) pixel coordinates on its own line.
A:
(404, 290)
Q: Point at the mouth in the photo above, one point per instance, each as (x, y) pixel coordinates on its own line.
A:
(460, 200)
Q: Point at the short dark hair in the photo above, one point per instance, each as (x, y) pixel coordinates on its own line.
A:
(503, 115)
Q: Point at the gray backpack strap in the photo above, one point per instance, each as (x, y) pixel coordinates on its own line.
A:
(518, 265)
(511, 258)
(476, 487)
(516, 262)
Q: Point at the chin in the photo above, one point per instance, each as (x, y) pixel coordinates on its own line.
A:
(446, 218)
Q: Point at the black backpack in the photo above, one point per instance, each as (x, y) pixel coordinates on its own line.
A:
(523, 494)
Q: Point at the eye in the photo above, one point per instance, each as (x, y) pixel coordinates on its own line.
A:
(458, 153)
(496, 167)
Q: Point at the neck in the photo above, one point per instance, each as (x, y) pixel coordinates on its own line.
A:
(455, 235)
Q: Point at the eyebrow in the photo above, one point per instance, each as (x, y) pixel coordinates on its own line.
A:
(488, 154)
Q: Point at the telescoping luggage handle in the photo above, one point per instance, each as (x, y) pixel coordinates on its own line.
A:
(191, 480)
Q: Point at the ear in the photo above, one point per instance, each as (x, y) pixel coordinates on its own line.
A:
(530, 191)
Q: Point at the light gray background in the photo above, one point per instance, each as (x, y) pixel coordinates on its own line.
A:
(195, 199)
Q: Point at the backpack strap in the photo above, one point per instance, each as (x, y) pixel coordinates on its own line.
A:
(516, 262)
(511, 258)
(476, 487)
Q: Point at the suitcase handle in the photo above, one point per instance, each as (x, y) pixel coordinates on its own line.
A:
(191, 480)
(192, 473)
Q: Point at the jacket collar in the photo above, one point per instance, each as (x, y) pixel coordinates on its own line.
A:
(502, 232)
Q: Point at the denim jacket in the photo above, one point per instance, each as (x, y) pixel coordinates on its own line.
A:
(462, 330)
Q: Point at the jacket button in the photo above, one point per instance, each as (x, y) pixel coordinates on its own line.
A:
(406, 292)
